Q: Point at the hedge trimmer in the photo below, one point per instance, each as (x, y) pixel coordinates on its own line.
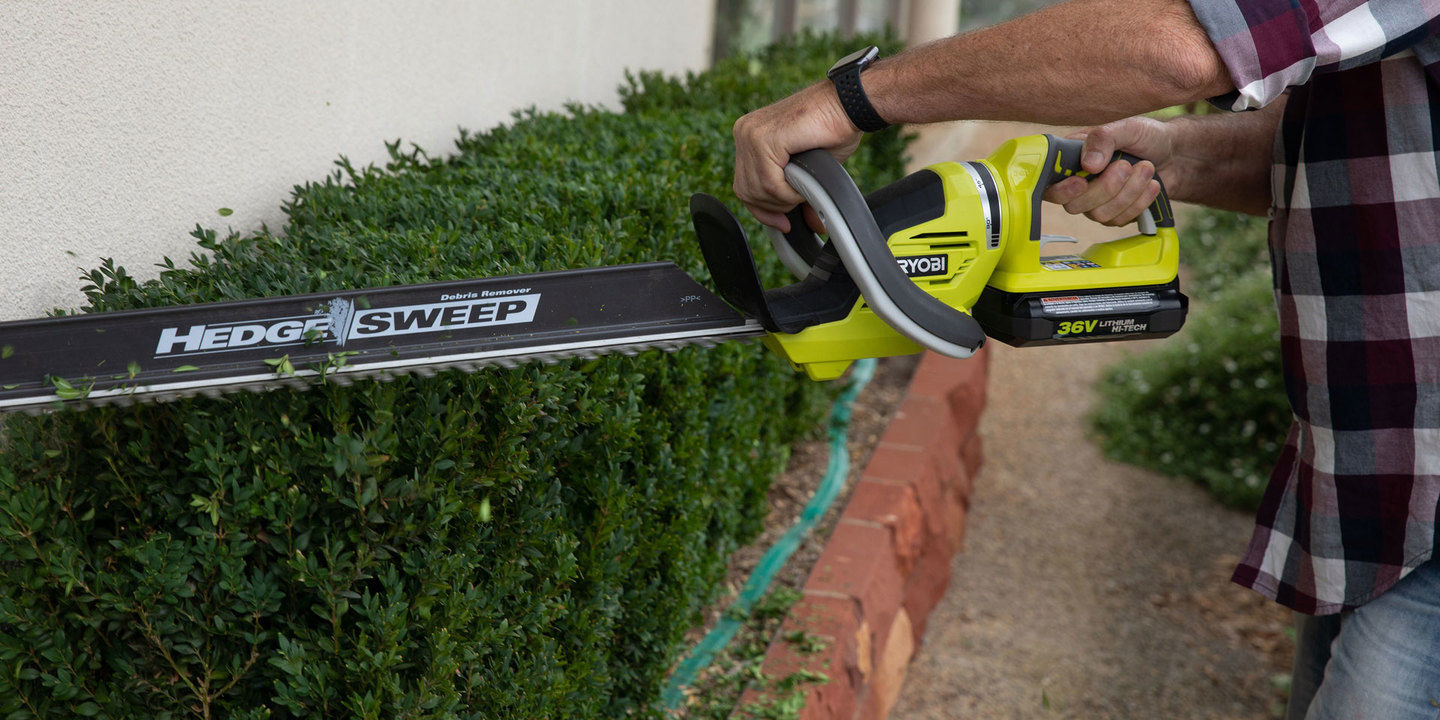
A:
(936, 260)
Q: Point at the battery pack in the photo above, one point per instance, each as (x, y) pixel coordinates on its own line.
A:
(1075, 316)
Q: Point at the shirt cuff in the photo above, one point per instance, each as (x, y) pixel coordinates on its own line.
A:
(1265, 44)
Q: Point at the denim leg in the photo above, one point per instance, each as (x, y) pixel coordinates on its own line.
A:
(1313, 636)
(1385, 662)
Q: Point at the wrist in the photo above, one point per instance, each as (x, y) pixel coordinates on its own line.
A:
(849, 76)
(1176, 167)
(879, 78)
(825, 102)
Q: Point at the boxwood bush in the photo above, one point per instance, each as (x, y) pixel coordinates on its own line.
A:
(1209, 404)
(528, 543)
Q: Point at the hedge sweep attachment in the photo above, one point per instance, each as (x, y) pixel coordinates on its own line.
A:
(937, 260)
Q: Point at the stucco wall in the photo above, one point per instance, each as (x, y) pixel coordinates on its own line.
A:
(124, 124)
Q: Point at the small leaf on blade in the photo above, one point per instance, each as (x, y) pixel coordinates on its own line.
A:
(186, 368)
(282, 365)
(66, 391)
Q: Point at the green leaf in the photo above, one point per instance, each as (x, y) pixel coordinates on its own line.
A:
(186, 368)
(6, 351)
(67, 391)
(282, 365)
(224, 212)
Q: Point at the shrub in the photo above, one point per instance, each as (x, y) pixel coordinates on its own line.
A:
(1210, 403)
(1219, 249)
(528, 543)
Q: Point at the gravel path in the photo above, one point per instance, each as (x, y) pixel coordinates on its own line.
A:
(1087, 588)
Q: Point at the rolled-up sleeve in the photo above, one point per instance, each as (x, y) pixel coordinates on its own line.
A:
(1270, 45)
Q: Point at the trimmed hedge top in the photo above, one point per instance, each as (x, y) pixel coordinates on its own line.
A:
(508, 544)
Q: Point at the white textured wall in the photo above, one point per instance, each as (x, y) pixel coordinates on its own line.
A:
(124, 124)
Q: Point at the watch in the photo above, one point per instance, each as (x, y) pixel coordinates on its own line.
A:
(846, 76)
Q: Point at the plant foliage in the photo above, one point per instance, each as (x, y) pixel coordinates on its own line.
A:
(508, 544)
(1210, 403)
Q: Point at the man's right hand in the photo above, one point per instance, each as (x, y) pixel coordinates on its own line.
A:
(766, 138)
(1117, 194)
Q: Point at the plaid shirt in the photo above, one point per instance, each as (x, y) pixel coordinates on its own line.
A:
(1355, 241)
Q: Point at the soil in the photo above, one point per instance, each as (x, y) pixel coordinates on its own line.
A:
(1087, 588)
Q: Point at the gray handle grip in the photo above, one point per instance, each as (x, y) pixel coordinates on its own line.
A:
(1064, 161)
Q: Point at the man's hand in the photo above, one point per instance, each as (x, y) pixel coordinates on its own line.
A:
(766, 138)
(1121, 192)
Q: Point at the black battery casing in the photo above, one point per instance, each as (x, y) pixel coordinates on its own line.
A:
(1102, 314)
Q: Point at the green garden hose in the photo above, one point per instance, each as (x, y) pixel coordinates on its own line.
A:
(673, 696)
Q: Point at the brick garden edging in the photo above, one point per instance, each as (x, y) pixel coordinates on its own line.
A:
(887, 562)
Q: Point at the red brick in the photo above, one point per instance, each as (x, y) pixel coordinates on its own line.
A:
(923, 423)
(926, 429)
(823, 701)
(900, 463)
(894, 506)
(967, 398)
(963, 483)
(858, 562)
(972, 455)
(937, 499)
(925, 588)
(846, 658)
(954, 508)
(889, 676)
(935, 376)
(966, 403)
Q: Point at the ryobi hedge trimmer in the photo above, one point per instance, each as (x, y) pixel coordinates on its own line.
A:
(936, 260)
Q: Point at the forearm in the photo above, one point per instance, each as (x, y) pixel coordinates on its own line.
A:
(1080, 62)
(1224, 161)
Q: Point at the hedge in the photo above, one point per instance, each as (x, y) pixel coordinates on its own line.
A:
(1209, 404)
(508, 544)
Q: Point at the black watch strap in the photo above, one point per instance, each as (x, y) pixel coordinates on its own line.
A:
(856, 103)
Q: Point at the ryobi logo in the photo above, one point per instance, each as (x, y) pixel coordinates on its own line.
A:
(341, 321)
(924, 265)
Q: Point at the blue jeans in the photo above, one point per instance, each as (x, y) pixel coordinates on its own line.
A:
(1380, 661)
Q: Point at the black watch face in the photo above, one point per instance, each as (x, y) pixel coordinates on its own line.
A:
(854, 57)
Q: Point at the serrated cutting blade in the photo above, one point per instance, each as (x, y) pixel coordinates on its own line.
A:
(164, 353)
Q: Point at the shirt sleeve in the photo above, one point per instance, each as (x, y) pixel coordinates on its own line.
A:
(1270, 45)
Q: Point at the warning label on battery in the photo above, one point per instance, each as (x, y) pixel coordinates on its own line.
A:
(1066, 305)
(1066, 262)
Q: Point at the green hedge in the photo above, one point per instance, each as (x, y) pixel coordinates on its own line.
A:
(509, 544)
(1209, 404)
